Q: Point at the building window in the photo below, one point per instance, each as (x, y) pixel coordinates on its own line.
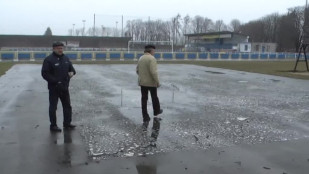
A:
(257, 47)
(246, 47)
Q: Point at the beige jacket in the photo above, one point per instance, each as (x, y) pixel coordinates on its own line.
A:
(147, 71)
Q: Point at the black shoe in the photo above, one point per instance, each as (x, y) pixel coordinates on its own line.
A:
(160, 112)
(55, 129)
(69, 126)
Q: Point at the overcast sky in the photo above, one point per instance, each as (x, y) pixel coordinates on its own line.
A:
(32, 17)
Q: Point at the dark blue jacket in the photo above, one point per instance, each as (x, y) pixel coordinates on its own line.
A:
(56, 70)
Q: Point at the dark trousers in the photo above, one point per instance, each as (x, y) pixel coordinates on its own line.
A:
(64, 96)
(155, 100)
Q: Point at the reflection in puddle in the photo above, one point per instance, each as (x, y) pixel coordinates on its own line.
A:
(138, 142)
(274, 80)
(146, 169)
(214, 72)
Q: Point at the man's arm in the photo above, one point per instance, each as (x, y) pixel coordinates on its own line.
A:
(71, 68)
(137, 68)
(46, 72)
(153, 71)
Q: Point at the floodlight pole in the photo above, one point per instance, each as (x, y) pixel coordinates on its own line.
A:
(94, 24)
(83, 27)
(122, 26)
(73, 30)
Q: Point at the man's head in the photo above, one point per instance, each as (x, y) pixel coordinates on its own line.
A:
(150, 49)
(58, 48)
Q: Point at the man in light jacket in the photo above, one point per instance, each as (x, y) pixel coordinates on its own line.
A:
(148, 81)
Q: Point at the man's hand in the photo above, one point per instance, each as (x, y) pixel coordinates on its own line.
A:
(71, 74)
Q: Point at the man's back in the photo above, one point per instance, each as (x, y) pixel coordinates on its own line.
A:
(147, 71)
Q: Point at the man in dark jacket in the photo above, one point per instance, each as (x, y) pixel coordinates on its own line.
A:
(57, 70)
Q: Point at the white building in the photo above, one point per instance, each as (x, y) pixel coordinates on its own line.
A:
(244, 47)
(262, 47)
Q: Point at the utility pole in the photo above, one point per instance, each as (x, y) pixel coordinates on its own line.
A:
(83, 27)
(122, 26)
(148, 28)
(116, 32)
(94, 25)
(73, 30)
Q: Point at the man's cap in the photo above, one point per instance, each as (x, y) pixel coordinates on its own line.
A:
(57, 44)
(150, 46)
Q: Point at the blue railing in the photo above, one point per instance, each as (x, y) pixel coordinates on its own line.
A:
(102, 56)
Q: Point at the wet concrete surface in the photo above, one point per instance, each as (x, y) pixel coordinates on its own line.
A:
(214, 121)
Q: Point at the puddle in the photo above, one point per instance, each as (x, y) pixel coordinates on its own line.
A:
(214, 72)
(274, 80)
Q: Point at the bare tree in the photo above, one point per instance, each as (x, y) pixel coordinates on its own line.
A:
(299, 19)
(271, 28)
(295, 19)
(138, 30)
(235, 25)
(271, 23)
(94, 31)
(130, 29)
(288, 33)
(197, 24)
(70, 32)
(254, 29)
(186, 24)
(78, 32)
(151, 30)
(207, 26)
(166, 31)
(220, 26)
(176, 28)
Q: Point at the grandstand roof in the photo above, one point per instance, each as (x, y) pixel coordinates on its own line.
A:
(79, 41)
(214, 33)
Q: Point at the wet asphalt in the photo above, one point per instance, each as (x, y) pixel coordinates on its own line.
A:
(214, 121)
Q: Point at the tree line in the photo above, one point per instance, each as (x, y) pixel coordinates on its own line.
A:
(285, 30)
